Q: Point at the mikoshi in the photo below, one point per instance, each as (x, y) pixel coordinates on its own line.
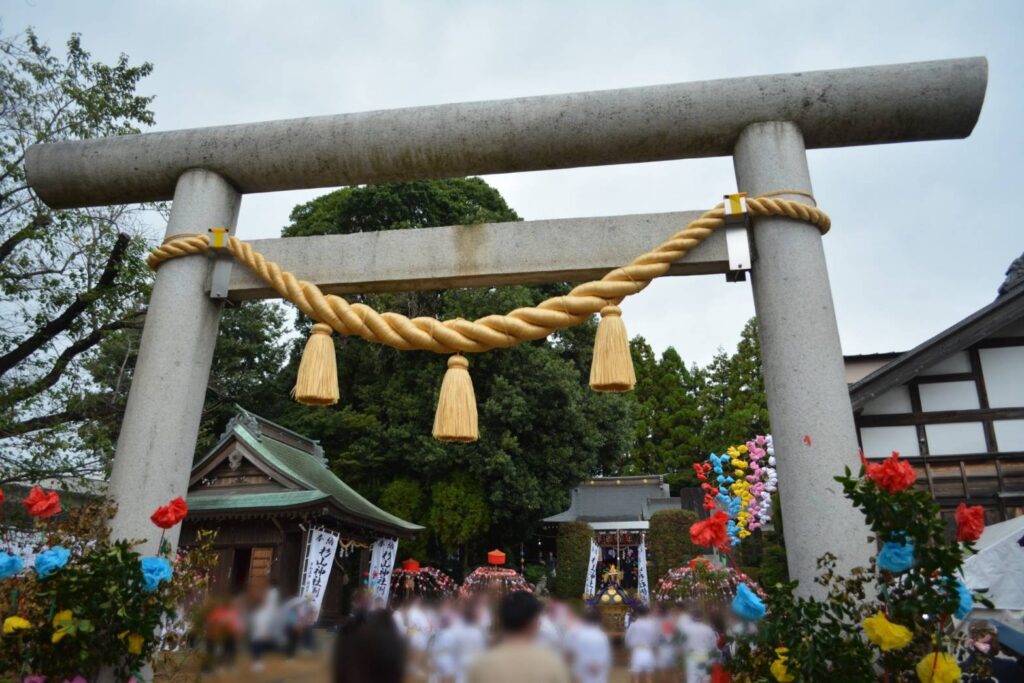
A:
(426, 582)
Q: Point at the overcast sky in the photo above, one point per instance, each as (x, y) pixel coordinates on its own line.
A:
(922, 233)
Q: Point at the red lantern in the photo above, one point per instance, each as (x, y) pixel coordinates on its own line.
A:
(411, 565)
(496, 557)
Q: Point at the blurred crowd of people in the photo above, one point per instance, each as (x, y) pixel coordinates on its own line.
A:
(261, 621)
(497, 640)
(456, 642)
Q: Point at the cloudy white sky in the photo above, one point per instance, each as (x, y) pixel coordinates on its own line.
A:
(922, 232)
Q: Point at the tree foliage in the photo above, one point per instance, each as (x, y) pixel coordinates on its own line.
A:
(458, 511)
(69, 278)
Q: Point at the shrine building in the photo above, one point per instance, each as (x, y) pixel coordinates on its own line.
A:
(264, 489)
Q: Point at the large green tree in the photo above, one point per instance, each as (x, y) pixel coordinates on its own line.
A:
(667, 416)
(733, 399)
(69, 278)
(542, 430)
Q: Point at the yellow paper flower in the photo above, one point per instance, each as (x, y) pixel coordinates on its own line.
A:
(135, 644)
(63, 622)
(779, 668)
(14, 624)
(885, 634)
(938, 668)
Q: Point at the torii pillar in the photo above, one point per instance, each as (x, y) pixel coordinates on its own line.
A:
(765, 122)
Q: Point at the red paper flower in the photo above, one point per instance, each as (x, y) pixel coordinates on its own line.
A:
(892, 475)
(42, 504)
(711, 532)
(970, 522)
(1, 496)
(166, 516)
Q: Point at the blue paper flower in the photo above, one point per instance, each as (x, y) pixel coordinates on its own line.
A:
(49, 561)
(9, 565)
(746, 604)
(896, 557)
(154, 571)
(966, 603)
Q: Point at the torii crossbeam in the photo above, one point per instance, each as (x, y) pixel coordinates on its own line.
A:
(766, 123)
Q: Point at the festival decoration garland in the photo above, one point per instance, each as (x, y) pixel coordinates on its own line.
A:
(456, 417)
(740, 483)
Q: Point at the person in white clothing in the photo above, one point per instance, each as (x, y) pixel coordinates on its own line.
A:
(472, 641)
(589, 650)
(444, 649)
(666, 654)
(642, 639)
(699, 644)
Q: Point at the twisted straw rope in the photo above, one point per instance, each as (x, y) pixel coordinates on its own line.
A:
(493, 331)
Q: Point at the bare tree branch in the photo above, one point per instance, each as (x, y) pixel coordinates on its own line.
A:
(62, 322)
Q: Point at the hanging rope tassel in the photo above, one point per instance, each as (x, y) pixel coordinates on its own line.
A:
(317, 381)
(612, 366)
(455, 419)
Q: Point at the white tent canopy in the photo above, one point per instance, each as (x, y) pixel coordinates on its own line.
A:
(998, 566)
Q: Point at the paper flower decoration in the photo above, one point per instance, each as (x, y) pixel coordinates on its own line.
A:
(965, 601)
(155, 570)
(780, 667)
(892, 475)
(9, 565)
(167, 516)
(970, 522)
(896, 557)
(938, 667)
(711, 533)
(41, 504)
(14, 624)
(52, 560)
(63, 624)
(885, 634)
(746, 605)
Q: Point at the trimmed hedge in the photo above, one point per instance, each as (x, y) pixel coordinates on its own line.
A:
(573, 548)
(669, 540)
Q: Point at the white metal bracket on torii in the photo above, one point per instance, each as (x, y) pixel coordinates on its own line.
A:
(765, 123)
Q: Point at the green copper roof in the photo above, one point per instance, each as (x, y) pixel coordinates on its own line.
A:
(253, 501)
(307, 471)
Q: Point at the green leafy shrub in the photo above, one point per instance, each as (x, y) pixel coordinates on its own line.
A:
(670, 540)
(91, 603)
(573, 547)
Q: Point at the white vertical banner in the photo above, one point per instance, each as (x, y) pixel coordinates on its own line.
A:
(316, 569)
(382, 563)
(642, 587)
(595, 554)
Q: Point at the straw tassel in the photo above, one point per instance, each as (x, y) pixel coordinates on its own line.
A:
(317, 381)
(612, 366)
(455, 419)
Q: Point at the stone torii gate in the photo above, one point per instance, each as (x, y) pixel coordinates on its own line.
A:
(766, 123)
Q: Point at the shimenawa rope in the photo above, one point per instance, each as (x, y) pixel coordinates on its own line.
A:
(612, 368)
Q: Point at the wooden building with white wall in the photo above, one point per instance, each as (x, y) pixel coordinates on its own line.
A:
(954, 406)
